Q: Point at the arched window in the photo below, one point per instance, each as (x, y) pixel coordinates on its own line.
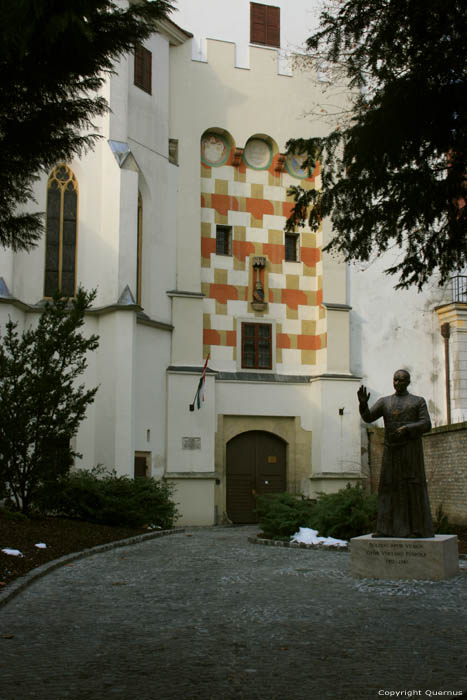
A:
(139, 250)
(61, 232)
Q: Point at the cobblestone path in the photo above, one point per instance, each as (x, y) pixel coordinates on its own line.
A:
(204, 615)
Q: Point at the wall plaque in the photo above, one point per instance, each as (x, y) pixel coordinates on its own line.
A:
(191, 443)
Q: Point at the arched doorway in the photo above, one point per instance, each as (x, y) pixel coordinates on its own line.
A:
(255, 465)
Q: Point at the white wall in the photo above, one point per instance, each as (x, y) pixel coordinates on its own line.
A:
(230, 21)
(185, 423)
(147, 138)
(152, 355)
(393, 329)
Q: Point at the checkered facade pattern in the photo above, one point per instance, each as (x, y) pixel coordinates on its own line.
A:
(255, 205)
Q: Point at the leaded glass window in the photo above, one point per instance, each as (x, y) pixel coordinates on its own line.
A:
(61, 232)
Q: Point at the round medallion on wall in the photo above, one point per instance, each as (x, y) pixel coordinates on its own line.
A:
(258, 154)
(294, 164)
(214, 150)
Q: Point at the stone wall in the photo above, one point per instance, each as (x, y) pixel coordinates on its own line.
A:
(445, 450)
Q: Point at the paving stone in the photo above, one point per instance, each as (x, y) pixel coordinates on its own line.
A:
(205, 615)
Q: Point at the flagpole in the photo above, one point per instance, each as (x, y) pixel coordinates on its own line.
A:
(200, 385)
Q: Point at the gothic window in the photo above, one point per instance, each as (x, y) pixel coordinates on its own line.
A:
(143, 68)
(265, 24)
(61, 232)
(257, 345)
(139, 250)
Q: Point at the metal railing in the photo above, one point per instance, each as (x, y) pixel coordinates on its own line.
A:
(459, 288)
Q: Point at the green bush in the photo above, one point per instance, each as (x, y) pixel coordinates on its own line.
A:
(348, 513)
(10, 514)
(42, 402)
(441, 524)
(282, 514)
(103, 497)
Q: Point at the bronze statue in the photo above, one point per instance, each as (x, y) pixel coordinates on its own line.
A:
(403, 505)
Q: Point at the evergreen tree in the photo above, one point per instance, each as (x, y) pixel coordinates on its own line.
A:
(394, 166)
(41, 403)
(54, 56)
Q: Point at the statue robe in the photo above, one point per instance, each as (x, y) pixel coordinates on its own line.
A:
(403, 505)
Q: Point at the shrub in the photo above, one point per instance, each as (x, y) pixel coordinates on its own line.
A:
(9, 514)
(441, 524)
(281, 515)
(103, 497)
(348, 513)
(41, 402)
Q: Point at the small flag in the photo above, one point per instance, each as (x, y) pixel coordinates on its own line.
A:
(199, 396)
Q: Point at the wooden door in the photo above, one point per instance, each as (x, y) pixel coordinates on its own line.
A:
(255, 466)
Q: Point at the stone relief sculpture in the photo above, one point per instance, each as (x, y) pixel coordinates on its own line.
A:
(403, 505)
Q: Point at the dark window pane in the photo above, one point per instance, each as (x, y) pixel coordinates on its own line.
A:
(69, 243)
(51, 256)
(69, 205)
(51, 283)
(223, 240)
(220, 243)
(291, 241)
(249, 358)
(68, 258)
(52, 247)
(69, 234)
(53, 213)
(68, 284)
(264, 356)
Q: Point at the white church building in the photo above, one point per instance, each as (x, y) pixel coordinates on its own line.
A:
(177, 219)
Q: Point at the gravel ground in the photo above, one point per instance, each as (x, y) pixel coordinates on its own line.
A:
(206, 615)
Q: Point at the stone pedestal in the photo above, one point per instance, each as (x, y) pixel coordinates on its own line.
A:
(432, 559)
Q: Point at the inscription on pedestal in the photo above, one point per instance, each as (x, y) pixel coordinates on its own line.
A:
(432, 558)
(395, 552)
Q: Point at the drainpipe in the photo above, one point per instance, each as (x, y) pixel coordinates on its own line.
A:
(446, 332)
